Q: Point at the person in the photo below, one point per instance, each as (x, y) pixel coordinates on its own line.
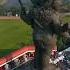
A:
(46, 26)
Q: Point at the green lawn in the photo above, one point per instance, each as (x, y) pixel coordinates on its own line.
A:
(66, 19)
(13, 33)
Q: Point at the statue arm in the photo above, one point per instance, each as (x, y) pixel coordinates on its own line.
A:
(27, 17)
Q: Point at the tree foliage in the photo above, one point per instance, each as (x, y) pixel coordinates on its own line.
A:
(2, 10)
(14, 10)
(38, 2)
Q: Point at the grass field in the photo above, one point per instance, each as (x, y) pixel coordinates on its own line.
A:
(13, 33)
(66, 19)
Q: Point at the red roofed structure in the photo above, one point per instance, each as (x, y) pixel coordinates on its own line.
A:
(22, 55)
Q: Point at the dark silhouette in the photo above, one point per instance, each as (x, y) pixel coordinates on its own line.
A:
(46, 25)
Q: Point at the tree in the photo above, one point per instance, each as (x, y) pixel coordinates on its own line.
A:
(2, 10)
(15, 10)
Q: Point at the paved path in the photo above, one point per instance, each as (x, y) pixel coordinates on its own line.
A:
(9, 17)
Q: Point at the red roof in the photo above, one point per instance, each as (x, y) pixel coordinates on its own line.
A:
(16, 53)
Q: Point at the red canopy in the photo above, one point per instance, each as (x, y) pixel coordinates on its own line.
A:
(16, 53)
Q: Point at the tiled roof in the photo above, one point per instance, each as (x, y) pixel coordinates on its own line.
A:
(16, 54)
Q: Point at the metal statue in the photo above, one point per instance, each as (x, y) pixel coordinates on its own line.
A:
(45, 19)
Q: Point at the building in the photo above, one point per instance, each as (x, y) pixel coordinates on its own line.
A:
(17, 58)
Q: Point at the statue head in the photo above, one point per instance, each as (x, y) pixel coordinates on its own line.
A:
(57, 5)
